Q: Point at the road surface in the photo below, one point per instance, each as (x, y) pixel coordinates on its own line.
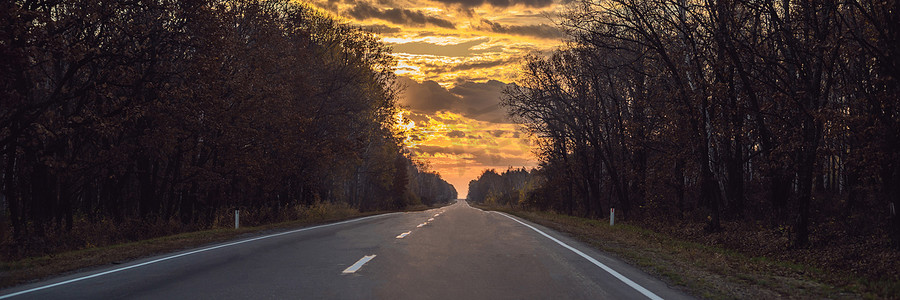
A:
(458, 252)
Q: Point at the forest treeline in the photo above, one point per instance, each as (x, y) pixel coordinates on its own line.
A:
(782, 114)
(509, 188)
(143, 115)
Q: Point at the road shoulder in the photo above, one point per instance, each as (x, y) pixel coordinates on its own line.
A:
(699, 270)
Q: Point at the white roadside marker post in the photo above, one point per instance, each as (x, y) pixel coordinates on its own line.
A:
(237, 218)
(612, 215)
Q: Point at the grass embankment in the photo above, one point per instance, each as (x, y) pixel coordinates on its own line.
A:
(710, 271)
(34, 268)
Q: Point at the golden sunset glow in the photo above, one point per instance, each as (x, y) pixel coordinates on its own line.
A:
(460, 148)
(454, 57)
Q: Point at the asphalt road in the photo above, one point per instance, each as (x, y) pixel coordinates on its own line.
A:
(462, 253)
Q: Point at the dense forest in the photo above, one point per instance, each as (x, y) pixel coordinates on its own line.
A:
(148, 117)
(782, 115)
(511, 187)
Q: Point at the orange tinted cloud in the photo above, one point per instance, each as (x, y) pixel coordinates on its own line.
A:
(454, 57)
(452, 41)
(460, 148)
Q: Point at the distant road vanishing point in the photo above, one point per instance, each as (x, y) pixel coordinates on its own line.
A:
(453, 252)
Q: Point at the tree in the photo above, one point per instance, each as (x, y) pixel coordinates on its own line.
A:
(709, 107)
(172, 112)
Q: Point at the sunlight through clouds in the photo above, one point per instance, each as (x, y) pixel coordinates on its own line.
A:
(454, 58)
(460, 148)
(454, 34)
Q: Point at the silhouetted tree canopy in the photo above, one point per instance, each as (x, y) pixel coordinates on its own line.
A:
(782, 112)
(163, 112)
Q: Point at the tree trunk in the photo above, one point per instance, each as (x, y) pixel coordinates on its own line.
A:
(679, 187)
(736, 178)
(709, 194)
(12, 193)
(891, 184)
(810, 144)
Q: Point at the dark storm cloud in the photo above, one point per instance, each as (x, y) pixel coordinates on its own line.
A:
(540, 30)
(427, 97)
(400, 16)
(498, 3)
(480, 101)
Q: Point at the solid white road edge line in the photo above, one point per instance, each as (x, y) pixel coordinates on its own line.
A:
(359, 263)
(186, 254)
(609, 270)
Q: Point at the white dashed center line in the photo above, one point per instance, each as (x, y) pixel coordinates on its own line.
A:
(403, 235)
(430, 219)
(359, 263)
(420, 225)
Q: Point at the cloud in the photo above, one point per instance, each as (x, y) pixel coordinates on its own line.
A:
(475, 100)
(449, 60)
(381, 29)
(481, 64)
(465, 65)
(456, 134)
(475, 156)
(460, 147)
(329, 5)
(451, 50)
(427, 97)
(499, 3)
(481, 101)
(539, 30)
(400, 16)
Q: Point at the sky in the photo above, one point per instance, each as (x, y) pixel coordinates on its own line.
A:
(454, 58)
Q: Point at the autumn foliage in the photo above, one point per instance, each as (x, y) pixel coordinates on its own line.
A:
(169, 114)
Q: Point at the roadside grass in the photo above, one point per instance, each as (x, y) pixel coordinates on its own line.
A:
(35, 268)
(712, 272)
